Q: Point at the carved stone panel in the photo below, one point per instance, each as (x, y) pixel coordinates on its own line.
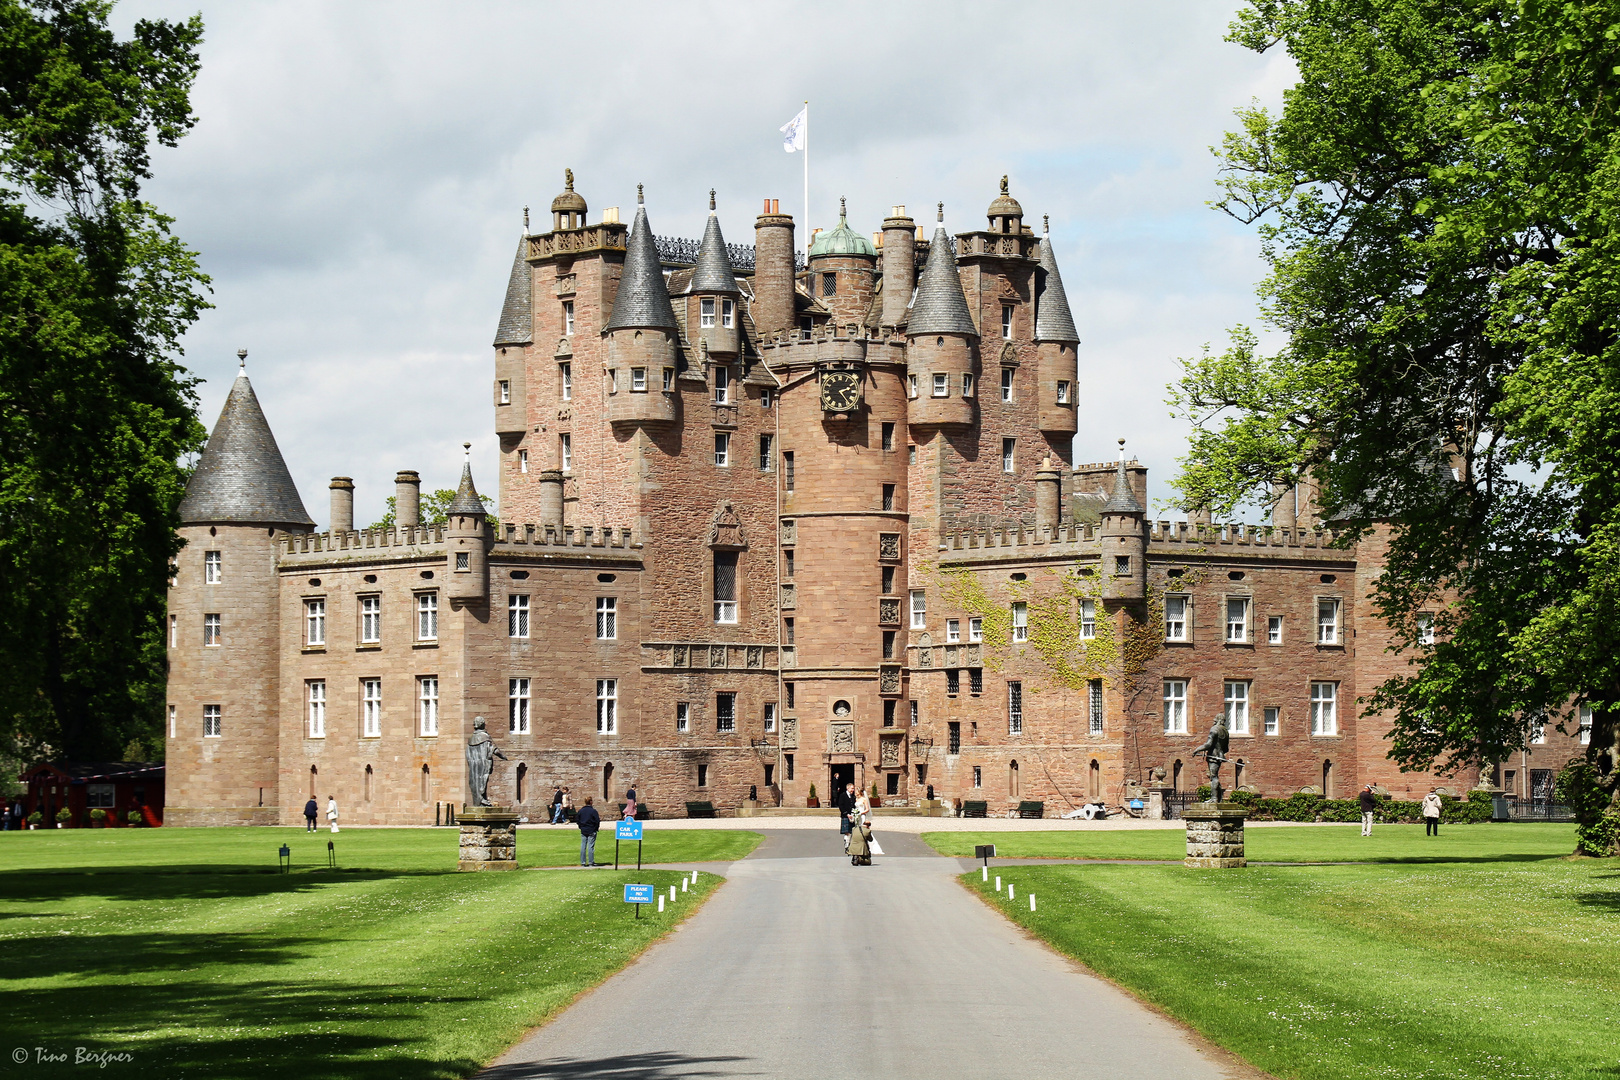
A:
(790, 656)
(952, 655)
(888, 680)
(789, 597)
(890, 753)
(790, 531)
(680, 656)
(975, 656)
(888, 545)
(755, 653)
(790, 733)
(841, 739)
(925, 656)
(717, 656)
(889, 611)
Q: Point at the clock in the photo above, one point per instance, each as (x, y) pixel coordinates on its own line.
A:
(840, 391)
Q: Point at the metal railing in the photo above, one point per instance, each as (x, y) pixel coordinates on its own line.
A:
(1177, 801)
(1538, 810)
(681, 251)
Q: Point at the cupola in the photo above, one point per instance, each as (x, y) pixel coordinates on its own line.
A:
(568, 209)
(1006, 215)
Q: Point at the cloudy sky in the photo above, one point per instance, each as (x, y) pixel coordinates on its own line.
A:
(356, 181)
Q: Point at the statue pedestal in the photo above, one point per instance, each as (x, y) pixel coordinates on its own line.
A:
(488, 838)
(1215, 836)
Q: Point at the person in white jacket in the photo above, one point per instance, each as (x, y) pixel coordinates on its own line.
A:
(331, 811)
(1431, 813)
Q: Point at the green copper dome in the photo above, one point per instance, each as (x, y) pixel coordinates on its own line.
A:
(842, 240)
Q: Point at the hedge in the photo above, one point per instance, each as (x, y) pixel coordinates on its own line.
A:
(1305, 806)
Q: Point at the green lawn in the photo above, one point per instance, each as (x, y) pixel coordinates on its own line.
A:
(1408, 969)
(1290, 843)
(185, 949)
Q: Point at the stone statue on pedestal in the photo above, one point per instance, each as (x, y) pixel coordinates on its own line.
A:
(481, 755)
(1214, 751)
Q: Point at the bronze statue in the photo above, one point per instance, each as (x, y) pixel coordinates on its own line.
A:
(481, 755)
(1214, 751)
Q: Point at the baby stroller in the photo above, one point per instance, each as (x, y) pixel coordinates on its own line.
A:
(860, 844)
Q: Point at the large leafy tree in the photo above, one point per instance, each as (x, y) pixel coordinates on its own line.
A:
(1439, 204)
(95, 412)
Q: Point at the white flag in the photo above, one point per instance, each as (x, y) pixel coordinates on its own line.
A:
(793, 132)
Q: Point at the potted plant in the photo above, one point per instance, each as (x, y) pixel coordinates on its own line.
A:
(98, 818)
(812, 801)
(877, 800)
(35, 819)
(64, 817)
(136, 818)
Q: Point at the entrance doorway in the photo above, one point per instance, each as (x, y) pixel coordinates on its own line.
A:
(841, 775)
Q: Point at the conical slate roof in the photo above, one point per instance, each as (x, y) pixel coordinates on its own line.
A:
(1123, 499)
(467, 501)
(1053, 321)
(241, 476)
(940, 306)
(713, 273)
(517, 313)
(643, 299)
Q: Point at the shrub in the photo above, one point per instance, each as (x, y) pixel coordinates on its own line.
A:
(36, 818)
(1602, 837)
(98, 816)
(812, 791)
(136, 818)
(64, 815)
(1597, 829)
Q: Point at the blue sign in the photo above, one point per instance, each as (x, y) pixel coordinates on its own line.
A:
(638, 894)
(627, 830)
(1136, 804)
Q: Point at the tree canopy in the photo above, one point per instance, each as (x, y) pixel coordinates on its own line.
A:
(95, 410)
(1439, 206)
(434, 510)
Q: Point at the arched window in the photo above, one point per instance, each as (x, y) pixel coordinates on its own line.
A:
(1094, 781)
(368, 783)
(1012, 779)
(522, 775)
(425, 777)
(607, 781)
(314, 774)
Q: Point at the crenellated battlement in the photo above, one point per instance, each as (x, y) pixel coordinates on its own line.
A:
(1079, 539)
(428, 540)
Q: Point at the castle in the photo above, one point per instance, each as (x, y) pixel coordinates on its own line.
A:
(764, 524)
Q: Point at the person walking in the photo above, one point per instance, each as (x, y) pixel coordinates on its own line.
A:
(17, 814)
(311, 812)
(332, 811)
(556, 806)
(589, 822)
(844, 801)
(630, 805)
(1369, 804)
(1431, 813)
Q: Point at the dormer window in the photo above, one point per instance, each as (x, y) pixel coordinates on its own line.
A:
(1006, 321)
(706, 314)
(568, 317)
(728, 314)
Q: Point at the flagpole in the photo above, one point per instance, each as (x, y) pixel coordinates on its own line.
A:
(807, 182)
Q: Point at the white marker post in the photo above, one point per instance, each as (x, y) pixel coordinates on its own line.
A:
(984, 873)
(1010, 895)
(1032, 901)
(998, 883)
(660, 905)
(684, 883)
(672, 894)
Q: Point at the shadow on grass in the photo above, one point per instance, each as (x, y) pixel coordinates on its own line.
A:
(654, 1066)
(51, 955)
(180, 882)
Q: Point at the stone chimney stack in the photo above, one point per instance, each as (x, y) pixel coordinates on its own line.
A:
(1048, 497)
(342, 504)
(551, 498)
(773, 271)
(899, 265)
(1282, 506)
(407, 499)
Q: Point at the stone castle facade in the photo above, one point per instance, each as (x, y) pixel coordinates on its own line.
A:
(763, 525)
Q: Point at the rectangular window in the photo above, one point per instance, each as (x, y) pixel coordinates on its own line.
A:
(953, 682)
(911, 455)
(517, 616)
(788, 562)
(787, 688)
(888, 713)
(888, 496)
(427, 705)
(725, 712)
(174, 631)
(1237, 707)
(1586, 725)
(211, 722)
(523, 461)
(638, 379)
(787, 765)
(806, 328)
(728, 314)
(427, 616)
(888, 434)
(1095, 700)
(942, 384)
(370, 620)
(953, 630)
(1015, 708)
(567, 371)
(787, 631)
(683, 717)
(463, 560)
(1175, 706)
(975, 681)
(967, 384)
(212, 630)
(787, 470)
(1425, 628)
(886, 575)
(1006, 321)
(702, 775)
(1324, 708)
(607, 706)
(766, 458)
(914, 709)
(722, 384)
(765, 397)
(1006, 383)
(1063, 392)
(565, 451)
(211, 567)
(725, 586)
(607, 618)
(1122, 566)
(1175, 618)
(568, 316)
(174, 721)
(890, 639)
(1088, 619)
(315, 622)
(1327, 622)
(829, 284)
(975, 629)
(1007, 446)
(1274, 630)
(315, 695)
(705, 313)
(1237, 618)
(613, 380)
(506, 392)
(722, 448)
(770, 716)
(919, 610)
(371, 708)
(100, 796)
(1273, 719)
(669, 378)
(1538, 730)
(1020, 621)
(953, 737)
(978, 776)
(911, 386)
(517, 706)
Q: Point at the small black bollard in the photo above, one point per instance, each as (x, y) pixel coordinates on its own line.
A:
(286, 858)
(331, 855)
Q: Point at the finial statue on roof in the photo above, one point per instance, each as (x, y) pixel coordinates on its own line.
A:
(941, 217)
(640, 198)
(842, 212)
(1046, 224)
(1004, 184)
(525, 221)
(241, 359)
(466, 449)
(711, 200)
(1122, 449)
(568, 178)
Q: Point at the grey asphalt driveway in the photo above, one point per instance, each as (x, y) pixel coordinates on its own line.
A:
(805, 966)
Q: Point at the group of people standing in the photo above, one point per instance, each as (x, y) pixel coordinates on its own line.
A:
(855, 823)
(1430, 810)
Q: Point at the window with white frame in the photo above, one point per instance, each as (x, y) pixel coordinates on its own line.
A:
(722, 384)
(722, 448)
(211, 568)
(1538, 729)
(1273, 719)
(683, 716)
(174, 722)
(1007, 448)
(427, 704)
(1425, 628)
(725, 712)
(1586, 725)
(638, 379)
(1063, 392)
(1324, 708)
(371, 708)
(315, 621)
(523, 461)
(1020, 621)
(767, 458)
(1015, 708)
(517, 616)
(607, 618)
(919, 609)
(770, 716)
(213, 630)
(565, 451)
(1327, 621)
(911, 386)
(725, 586)
(967, 384)
(174, 631)
(705, 313)
(568, 316)
(978, 776)
(427, 616)
(505, 397)
(1094, 694)
(975, 629)
(1175, 618)
(942, 384)
(212, 722)
(517, 706)
(567, 370)
(728, 314)
(1006, 384)
(1274, 629)
(607, 706)
(669, 378)
(953, 630)
(1175, 706)
(370, 620)
(1006, 321)
(1237, 618)
(1088, 619)
(1237, 706)
(315, 695)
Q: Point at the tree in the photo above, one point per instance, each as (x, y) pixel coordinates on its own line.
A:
(1439, 205)
(95, 410)
(435, 508)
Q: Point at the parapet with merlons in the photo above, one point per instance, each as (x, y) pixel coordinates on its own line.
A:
(1164, 538)
(404, 544)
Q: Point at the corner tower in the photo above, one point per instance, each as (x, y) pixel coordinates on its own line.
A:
(1124, 546)
(1057, 344)
(641, 335)
(466, 541)
(942, 344)
(842, 272)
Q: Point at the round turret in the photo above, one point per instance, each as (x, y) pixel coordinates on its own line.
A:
(843, 272)
(568, 209)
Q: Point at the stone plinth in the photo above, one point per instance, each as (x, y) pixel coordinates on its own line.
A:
(488, 838)
(1215, 836)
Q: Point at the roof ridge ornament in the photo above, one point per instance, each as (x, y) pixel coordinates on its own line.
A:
(641, 198)
(568, 179)
(941, 217)
(1046, 224)
(525, 221)
(241, 361)
(711, 200)
(1004, 183)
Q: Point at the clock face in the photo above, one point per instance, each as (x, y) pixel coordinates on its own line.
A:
(840, 391)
